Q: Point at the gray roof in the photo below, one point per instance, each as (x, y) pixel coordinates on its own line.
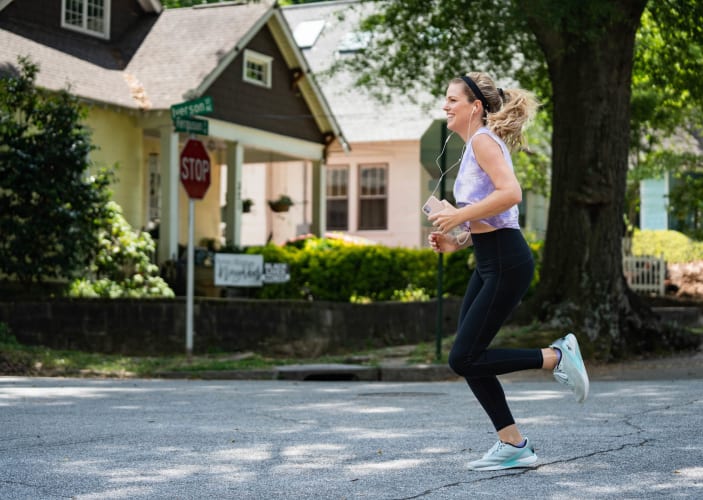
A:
(90, 68)
(187, 44)
(165, 63)
(362, 118)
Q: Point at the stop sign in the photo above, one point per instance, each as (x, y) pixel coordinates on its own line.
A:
(195, 169)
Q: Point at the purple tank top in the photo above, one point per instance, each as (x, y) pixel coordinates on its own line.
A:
(473, 184)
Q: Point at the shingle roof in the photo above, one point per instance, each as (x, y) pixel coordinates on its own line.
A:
(187, 44)
(89, 67)
(181, 49)
(362, 118)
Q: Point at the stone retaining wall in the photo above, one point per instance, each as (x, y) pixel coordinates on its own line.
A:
(153, 327)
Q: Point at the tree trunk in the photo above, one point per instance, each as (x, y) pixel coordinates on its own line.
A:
(582, 285)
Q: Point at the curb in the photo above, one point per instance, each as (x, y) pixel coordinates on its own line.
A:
(326, 372)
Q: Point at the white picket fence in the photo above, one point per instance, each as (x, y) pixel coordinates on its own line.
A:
(644, 273)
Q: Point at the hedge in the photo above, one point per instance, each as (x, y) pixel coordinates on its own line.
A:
(339, 270)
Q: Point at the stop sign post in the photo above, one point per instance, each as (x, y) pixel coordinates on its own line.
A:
(195, 177)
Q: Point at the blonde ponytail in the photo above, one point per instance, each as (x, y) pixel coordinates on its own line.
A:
(510, 120)
(508, 112)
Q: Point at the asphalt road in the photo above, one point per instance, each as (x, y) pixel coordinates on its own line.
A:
(180, 439)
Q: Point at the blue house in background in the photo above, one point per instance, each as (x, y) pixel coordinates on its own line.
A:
(654, 202)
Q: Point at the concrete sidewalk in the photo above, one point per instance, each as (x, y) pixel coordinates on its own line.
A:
(166, 439)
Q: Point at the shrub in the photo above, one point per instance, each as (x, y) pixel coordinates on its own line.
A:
(675, 247)
(122, 266)
(346, 270)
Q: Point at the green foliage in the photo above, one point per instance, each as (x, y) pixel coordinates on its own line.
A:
(674, 246)
(410, 294)
(49, 208)
(686, 197)
(667, 97)
(336, 270)
(122, 266)
(6, 337)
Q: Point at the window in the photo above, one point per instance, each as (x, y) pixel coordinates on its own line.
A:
(373, 196)
(87, 16)
(337, 194)
(307, 33)
(354, 42)
(257, 68)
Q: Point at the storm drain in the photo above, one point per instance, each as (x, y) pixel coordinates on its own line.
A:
(331, 372)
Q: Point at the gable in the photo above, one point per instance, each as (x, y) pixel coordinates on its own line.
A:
(241, 102)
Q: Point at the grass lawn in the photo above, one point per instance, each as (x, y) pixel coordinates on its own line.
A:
(18, 359)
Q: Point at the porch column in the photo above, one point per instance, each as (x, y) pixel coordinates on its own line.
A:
(233, 212)
(319, 198)
(168, 226)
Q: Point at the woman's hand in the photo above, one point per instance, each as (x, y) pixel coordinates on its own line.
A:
(446, 219)
(443, 243)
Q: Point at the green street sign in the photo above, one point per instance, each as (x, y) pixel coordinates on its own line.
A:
(200, 106)
(191, 125)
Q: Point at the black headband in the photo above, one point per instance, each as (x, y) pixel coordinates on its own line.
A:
(477, 92)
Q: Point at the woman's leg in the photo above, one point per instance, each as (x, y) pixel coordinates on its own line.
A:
(499, 282)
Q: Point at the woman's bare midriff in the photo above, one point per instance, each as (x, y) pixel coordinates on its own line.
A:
(478, 227)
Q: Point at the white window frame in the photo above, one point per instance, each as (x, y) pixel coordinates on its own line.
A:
(382, 168)
(105, 33)
(260, 59)
(330, 195)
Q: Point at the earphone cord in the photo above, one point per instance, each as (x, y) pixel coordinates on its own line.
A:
(436, 161)
(443, 173)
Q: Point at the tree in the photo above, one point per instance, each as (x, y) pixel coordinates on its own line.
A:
(49, 207)
(580, 55)
(666, 103)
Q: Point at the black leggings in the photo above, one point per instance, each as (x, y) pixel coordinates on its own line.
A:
(504, 269)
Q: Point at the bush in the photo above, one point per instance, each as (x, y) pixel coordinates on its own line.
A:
(344, 271)
(675, 247)
(122, 266)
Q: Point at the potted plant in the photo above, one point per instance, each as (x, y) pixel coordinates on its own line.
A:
(246, 205)
(282, 204)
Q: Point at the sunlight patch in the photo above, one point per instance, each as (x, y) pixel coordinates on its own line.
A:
(131, 492)
(690, 472)
(380, 409)
(243, 454)
(536, 396)
(400, 464)
(360, 433)
(310, 449)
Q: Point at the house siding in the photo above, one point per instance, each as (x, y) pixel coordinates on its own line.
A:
(124, 14)
(279, 109)
(120, 143)
(40, 13)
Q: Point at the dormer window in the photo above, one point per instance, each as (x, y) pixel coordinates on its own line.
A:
(257, 68)
(87, 16)
(354, 42)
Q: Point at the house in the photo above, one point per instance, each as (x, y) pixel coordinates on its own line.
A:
(130, 61)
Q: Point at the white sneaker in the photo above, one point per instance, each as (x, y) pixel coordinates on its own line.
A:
(506, 456)
(571, 371)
